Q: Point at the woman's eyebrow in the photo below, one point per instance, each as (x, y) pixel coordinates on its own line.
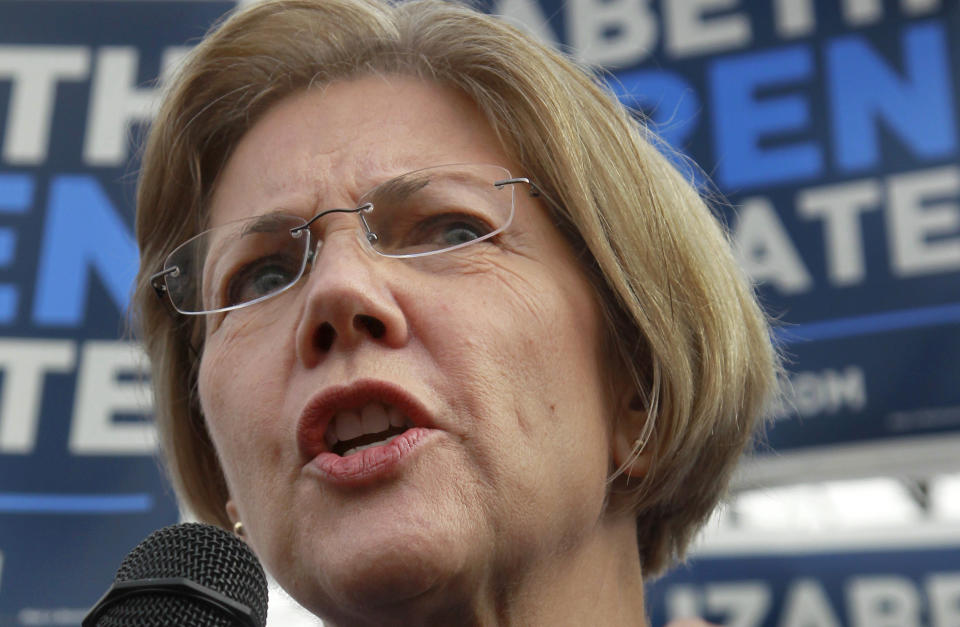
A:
(400, 189)
(263, 223)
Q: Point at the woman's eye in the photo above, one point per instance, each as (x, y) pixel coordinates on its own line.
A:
(461, 233)
(258, 279)
(446, 231)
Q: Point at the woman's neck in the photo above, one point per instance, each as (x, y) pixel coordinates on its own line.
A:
(595, 580)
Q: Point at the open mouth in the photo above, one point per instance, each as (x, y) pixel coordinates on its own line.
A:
(374, 424)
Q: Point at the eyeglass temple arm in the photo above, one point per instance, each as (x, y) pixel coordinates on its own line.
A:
(160, 288)
(534, 190)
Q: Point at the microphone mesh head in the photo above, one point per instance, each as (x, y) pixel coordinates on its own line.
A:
(204, 554)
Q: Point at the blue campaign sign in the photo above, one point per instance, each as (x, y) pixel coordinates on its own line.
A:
(79, 482)
(902, 586)
(832, 128)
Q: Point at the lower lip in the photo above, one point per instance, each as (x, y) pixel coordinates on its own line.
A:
(376, 463)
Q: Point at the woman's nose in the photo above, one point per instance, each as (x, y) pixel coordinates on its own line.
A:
(348, 301)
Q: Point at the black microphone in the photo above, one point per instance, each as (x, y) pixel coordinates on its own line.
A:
(187, 574)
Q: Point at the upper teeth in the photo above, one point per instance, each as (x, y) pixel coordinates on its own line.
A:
(348, 424)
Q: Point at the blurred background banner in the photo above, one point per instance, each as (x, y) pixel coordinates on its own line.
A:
(79, 483)
(831, 127)
(894, 586)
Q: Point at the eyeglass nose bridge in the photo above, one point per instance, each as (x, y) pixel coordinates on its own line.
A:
(366, 207)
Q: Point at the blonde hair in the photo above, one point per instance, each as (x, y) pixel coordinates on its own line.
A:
(682, 319)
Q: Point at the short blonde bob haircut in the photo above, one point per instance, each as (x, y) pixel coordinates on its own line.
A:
(682, 320)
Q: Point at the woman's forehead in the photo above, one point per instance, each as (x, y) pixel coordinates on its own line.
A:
(327, 147)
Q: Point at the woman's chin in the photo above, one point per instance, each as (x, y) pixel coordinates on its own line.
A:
(402, 575)
(393, 580)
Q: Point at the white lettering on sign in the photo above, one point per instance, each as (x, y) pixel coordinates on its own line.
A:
(527, 15)
(50, 616)
(943, 589)
(884, 601)
(920, 213)
(866, 12)
(614, 33)
(794, 18)
(35, 72)
(682, 601)
(689, 30)
(101, 394)
(881, 600)
(829, 391)
(743, 604)
(923, 221)
(840, 206)
(619, 33)
(807, 605)
(766, 251)
(862, 12)
(920, 7)
(24, 364)
(110, 382)
(116, 102)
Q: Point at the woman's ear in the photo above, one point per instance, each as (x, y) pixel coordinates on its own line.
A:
(631, 454)
(232, 512)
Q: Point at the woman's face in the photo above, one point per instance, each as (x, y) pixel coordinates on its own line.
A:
(493, 355)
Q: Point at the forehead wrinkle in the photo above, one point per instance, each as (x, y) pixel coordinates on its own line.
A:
(342, 185)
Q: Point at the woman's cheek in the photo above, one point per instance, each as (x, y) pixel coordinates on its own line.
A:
(210, 378)
(229, 388)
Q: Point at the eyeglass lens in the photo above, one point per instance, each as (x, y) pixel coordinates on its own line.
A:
(419, 213)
